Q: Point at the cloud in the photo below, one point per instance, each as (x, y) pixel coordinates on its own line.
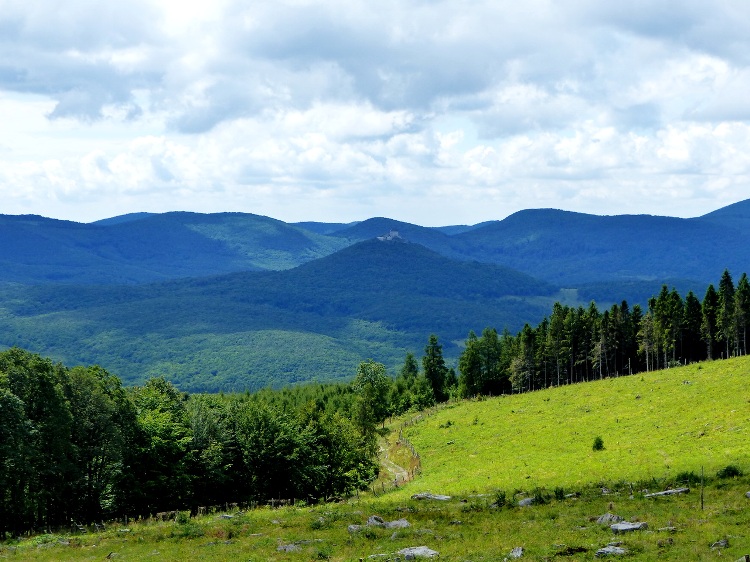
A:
(404, 104)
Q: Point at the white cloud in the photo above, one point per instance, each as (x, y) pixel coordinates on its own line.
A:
(436, 112)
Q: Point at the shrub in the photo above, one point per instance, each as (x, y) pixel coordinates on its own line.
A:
(540, 496)
(501, 498)
(688, 478)
(598, 444)
(729, 471)
(559, 494)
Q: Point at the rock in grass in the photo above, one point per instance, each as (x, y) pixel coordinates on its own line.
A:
(525, 502)
(429, 496)
(375, 521)
(397, 524)
(608, 518)
(626, 527)
(353, 529)
(610, 550)
(516, 553)
(288, 548)
(721, 543)
(414, 552)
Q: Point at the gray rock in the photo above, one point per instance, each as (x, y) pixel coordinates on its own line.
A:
(668, 492)
(525, 502)
(626, 527)
(722, 543)
(288, 548)
(354, 529)
(397, 524)
(414, 552)
(747, 494)
(375, 521)
(516, 553)
(429, 496)
(608, 518)
(610, 550)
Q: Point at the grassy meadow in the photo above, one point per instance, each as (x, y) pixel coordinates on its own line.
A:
(658, 430)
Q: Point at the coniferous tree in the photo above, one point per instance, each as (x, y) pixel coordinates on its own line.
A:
(725, 316)
(709, 320)
(742, 313)
(692, 348)
(433, 366)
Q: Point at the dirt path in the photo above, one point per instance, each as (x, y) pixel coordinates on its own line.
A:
(396, 471)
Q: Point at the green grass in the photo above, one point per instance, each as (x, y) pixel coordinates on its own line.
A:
(655, 428)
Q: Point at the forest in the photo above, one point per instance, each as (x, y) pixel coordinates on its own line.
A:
(576, 344)
(78, 446)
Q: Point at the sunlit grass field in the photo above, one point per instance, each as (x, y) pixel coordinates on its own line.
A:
(653, 426)
(656, 429)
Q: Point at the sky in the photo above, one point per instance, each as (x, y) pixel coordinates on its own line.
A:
(426, 111)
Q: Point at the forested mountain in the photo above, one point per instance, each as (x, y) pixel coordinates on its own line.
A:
(573, 248)
(234, 301)
(248, 330)
(563, 248)
(141, 249)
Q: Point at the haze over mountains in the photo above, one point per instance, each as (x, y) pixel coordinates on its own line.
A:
(232, 301)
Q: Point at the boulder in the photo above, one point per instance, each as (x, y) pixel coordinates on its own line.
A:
(610, 550)
(288, 548)
(516, 553)
(525, 502)
(397, 524)
(414, 552)
(375, 521)
(626, 527)
(354, 529)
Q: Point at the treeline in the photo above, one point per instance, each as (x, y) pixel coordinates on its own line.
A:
(75, 445)
(577, 344)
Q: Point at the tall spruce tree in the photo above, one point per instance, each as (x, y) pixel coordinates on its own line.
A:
(725, 316)
(433, 366)
(709, 320)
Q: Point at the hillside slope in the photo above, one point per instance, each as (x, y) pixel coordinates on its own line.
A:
(654, 426)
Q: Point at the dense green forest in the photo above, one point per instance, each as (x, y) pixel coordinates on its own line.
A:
(577, 344)
(75, 445)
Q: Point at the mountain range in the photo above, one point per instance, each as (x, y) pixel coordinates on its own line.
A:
(231, 301)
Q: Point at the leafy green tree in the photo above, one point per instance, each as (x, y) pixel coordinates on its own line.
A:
(162, 480)
(40, 385)
(102, 416)
(337, 464)
(371, 387)
(15, 433)
(275, 452)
